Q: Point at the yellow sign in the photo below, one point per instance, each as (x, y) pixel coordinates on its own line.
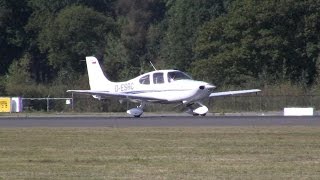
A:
(5, 104)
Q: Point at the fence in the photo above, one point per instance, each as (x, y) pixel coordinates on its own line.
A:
(243, 103)
(262, 103)
(40, 104)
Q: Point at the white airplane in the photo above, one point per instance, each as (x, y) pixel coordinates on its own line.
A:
(159, 86)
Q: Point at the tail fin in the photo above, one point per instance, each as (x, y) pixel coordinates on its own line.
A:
(97, 79)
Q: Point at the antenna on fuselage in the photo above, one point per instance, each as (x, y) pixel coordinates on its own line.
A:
(153, 66)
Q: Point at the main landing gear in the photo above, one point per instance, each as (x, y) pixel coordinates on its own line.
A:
(195, 109)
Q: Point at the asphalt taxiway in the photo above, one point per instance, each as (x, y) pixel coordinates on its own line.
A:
(154, 121)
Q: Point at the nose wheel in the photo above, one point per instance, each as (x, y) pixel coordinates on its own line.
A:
(138, 111)
(199, 110)
(199, 114)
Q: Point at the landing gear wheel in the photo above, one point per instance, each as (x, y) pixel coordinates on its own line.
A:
(204, 114)
(137, 116)
(195, 114)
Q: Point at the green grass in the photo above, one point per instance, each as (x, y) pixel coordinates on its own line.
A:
(160, 153)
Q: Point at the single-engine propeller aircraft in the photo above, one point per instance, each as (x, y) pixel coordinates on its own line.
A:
(159, 86)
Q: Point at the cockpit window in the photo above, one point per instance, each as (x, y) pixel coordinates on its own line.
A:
(177, 75)
(158, 78)
(145, 79)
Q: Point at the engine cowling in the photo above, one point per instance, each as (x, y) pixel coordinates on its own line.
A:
(136, 112)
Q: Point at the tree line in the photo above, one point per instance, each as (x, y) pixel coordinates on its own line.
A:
(243, 43)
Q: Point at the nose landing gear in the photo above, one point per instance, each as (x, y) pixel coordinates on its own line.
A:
(138, 111)
(200, 109)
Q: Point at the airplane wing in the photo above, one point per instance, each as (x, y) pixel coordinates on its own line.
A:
(119, 95)
(228, 93)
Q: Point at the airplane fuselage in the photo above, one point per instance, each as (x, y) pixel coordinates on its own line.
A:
(158, 84)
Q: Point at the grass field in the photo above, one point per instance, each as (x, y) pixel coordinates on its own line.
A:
(160, 153)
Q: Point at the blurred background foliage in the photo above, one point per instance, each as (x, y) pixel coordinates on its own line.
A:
(230, 43)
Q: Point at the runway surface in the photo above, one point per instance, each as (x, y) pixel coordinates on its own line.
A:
(155, 121)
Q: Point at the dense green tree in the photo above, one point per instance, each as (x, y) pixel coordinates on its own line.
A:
(134, 19)
(53, 6)
(13, 17)
(44, 14)
(76, 32)
(117, 64)
(184, 18)
(19, 81)
(260, 39)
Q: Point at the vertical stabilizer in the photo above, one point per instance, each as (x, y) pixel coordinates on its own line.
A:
(97, 79)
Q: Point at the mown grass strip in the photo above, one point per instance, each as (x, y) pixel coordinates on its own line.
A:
(160, 153)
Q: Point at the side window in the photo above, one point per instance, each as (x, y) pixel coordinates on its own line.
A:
(158, 78)
(145, 79)
(171, 76)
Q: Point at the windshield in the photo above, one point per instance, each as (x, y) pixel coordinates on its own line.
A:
(177, 75)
